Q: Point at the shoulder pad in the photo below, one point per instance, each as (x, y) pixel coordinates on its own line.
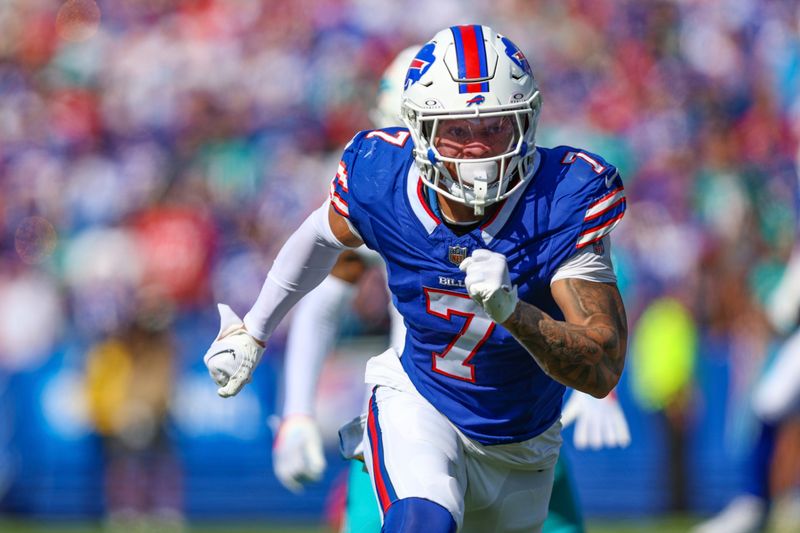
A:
(370, 166)
(595, 191)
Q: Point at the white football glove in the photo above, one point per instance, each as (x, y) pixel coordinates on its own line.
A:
(489, 284)
(297, 455)
(233, 355)
(599, 423)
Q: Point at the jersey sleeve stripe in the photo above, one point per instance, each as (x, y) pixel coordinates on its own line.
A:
(606, 200)
(598, 232)
(341, 176)
(604, 208)
(338, 203)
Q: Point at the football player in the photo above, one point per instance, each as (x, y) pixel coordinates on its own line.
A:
(298, 456)
(498, 258)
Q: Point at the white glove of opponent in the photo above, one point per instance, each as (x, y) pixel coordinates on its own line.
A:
(233, 355)
(599, 423)
(297, 455)
(489, 284)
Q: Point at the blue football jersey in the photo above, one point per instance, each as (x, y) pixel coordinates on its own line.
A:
(471, 369)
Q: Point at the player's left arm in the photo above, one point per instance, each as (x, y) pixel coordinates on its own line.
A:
(585, 351)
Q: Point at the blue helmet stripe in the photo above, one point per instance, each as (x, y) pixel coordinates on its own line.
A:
(481, 50)
(462, 67)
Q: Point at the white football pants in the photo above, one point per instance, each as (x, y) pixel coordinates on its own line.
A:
(412, 450)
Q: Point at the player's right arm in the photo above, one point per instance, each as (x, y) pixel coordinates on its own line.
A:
(302, 263)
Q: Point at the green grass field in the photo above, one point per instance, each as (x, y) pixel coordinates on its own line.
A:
(660, 525)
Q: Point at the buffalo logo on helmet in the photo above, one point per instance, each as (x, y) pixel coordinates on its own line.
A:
(516, 55)
(477, 100)
(456, 254)
(420, 64)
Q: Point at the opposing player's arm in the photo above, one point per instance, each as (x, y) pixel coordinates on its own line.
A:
(297, 453)
(319, 311)
(586, 351)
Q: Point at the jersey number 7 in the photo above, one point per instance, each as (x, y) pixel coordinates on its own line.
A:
(454, 360)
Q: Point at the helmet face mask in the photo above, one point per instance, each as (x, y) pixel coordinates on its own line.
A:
(472, 104)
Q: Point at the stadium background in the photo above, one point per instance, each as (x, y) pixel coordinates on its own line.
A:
(154, 154)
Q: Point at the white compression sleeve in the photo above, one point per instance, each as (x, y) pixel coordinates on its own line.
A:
(312, 335)
(303, 262)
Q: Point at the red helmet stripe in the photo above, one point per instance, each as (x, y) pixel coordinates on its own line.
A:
(472, 60)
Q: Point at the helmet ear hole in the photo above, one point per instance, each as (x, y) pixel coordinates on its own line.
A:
(427, 130)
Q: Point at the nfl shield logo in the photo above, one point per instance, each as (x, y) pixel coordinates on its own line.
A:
(457, 254)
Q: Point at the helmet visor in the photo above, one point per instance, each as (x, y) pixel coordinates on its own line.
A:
(475, 137)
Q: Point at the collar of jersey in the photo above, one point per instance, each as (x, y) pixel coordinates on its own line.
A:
(429, 215)
(433, 203)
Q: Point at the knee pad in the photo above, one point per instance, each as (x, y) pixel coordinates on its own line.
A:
(412, 515)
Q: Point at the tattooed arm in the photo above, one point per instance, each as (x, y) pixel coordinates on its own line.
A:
(587, 350)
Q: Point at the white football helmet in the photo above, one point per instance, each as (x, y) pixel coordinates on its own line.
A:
(386, 112)
(472, 105)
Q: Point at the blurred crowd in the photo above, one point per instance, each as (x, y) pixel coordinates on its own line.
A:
(155, 153)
